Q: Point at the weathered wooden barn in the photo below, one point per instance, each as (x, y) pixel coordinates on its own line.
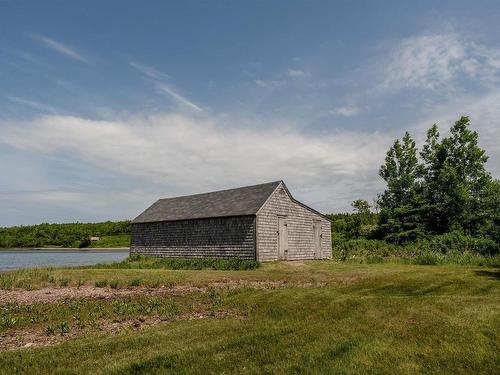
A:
(262, 222)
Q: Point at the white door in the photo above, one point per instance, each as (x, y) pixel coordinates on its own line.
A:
(317, 239)
(282, 237)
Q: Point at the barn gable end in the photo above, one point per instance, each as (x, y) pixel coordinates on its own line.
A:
(300, 222)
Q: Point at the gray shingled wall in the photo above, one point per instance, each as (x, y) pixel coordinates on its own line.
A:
(300, 229)
(225, 237)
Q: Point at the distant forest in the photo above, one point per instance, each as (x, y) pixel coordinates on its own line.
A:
(112, 234)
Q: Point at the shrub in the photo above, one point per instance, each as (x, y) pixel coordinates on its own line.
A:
(427, 259)
(457, 241)
(84, 242)
(454, 247)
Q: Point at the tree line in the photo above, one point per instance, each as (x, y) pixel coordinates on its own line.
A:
(64, 235)
(441, 192)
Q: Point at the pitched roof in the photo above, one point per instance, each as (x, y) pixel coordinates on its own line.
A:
(233, 202)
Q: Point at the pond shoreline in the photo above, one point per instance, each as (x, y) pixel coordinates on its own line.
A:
(12, 259)
(67, 249)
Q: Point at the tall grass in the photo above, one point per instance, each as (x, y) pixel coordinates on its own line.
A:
(146, 262)
(431, 252)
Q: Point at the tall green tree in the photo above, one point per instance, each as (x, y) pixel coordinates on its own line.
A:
(400, 173)
(455, 184)
(398, 216)
(361, 206)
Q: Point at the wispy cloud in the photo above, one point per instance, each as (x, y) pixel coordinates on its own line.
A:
(148, 71)
(437, 61)
(159, 80)
(271, 84)
(182, 100)
(32, 103)
(346, 111)
(61, 48)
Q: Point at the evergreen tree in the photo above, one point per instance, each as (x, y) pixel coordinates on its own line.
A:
(399, 219)
(400, 174)
(455, 183)
(449, 190)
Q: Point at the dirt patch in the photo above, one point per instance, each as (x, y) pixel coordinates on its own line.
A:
(36, 337)
(52, 295)
(294, 263)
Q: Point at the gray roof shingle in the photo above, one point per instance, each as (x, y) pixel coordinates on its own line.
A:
(233, 202)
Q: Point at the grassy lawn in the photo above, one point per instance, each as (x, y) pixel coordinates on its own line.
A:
(311, 317)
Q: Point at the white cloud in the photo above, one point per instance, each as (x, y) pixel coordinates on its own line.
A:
(346, 111)
(61, 48)
(296, 73)
(484, 112)
(437, 61)
(41, 206)
(201, 154)
(271, 84)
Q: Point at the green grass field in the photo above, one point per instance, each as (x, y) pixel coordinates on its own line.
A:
(300, 318)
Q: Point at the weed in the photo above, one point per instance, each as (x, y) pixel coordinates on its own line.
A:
(7, 321)
(64, 281)
(63, 328)
(101, 283)
(135, 282)
(79, 322)
(114, 284)
(24, 284)
(124, 307)
(36, 316)
(215, 298)
(6, 282)
(170, 309)
(50, 330)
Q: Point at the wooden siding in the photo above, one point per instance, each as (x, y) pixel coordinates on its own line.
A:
(300, 229)
(225, 237)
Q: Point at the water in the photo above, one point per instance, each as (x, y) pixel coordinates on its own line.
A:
(15, 259)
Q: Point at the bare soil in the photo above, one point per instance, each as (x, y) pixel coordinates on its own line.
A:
(52, 295)
(36, 337)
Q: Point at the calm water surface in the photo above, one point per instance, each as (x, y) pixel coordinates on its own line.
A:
(14, 259)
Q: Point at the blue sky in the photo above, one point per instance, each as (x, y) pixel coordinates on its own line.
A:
(107, 106)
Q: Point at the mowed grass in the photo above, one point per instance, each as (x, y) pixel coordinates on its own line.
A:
(317, 317)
